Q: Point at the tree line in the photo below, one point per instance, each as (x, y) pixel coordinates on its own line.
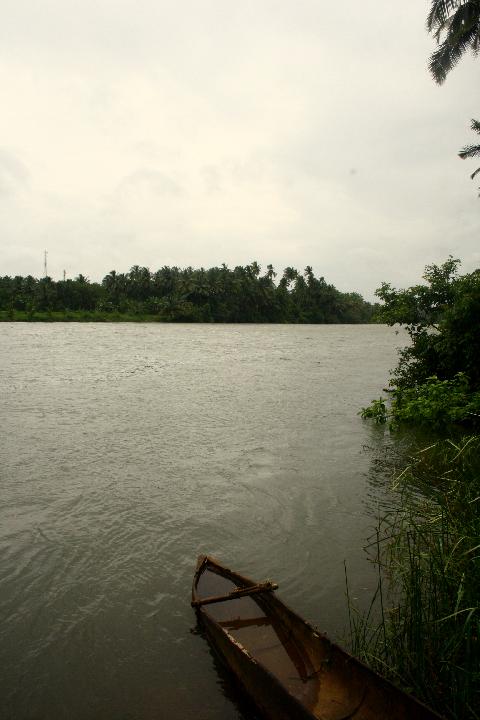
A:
(172, 294)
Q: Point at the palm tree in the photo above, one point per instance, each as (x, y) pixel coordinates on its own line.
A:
(455, 25)
(270, 274)
(472, 150)
(308, 272)
(253, 270)
(289, 275)
(110, 280)
(139, 280)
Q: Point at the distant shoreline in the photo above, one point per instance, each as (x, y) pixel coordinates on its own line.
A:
(172, 294)
(117, 317)
(74, 316)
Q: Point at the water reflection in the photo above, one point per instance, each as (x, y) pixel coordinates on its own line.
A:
(389, 453)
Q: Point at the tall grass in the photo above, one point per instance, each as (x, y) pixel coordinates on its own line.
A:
(423, 626)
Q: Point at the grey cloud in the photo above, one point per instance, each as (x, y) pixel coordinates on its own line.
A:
(14, 175)
(212, 178)
(236, 172)
(148, 181)
(226, 131)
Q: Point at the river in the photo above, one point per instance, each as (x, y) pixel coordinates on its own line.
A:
(128, 449)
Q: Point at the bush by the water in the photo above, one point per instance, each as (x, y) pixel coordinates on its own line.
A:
(423, 628)
(437, 380)
(435, 403)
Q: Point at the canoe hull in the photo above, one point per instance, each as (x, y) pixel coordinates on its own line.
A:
(265, 692)
(313, 679)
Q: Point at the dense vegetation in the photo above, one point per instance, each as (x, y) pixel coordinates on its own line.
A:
(423, 628)
(437, 380)
(172, 294)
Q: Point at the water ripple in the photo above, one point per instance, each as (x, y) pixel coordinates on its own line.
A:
(127, 450)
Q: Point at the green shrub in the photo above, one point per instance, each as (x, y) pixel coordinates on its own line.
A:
(437, 402)
(434, 403)
(376, 411)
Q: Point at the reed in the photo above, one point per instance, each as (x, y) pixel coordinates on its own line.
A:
(423, 626)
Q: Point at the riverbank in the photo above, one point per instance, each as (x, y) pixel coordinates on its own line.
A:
(121, 317)
(76, 316)
(423, 627)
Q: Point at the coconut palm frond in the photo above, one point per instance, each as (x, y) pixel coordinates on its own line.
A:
(439, 13)
(455, 25)
(464, 24)
(469, 151)
(450, 52)
(458, 23)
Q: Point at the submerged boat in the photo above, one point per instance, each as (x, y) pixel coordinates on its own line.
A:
(289, 669)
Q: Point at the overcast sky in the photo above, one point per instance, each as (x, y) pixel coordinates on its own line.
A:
(196, 132)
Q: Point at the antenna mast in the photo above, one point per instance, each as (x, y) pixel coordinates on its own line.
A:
(45, 262)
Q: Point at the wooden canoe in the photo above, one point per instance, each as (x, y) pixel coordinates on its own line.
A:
(289, 669)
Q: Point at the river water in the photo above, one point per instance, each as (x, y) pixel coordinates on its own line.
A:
(128, 449)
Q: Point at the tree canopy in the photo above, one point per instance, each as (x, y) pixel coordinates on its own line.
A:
(438, 376)
(217, 294)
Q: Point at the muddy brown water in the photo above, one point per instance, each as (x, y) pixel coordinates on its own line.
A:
(127, 450)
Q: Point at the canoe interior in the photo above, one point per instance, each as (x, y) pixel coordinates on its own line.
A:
(248, 622)
(276, 654)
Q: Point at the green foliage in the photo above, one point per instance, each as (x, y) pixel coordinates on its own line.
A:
(436, 403)
(455, 25)
(423, 626)
(437, 380)
(172, 294)
(470, 151)
(376, 411)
